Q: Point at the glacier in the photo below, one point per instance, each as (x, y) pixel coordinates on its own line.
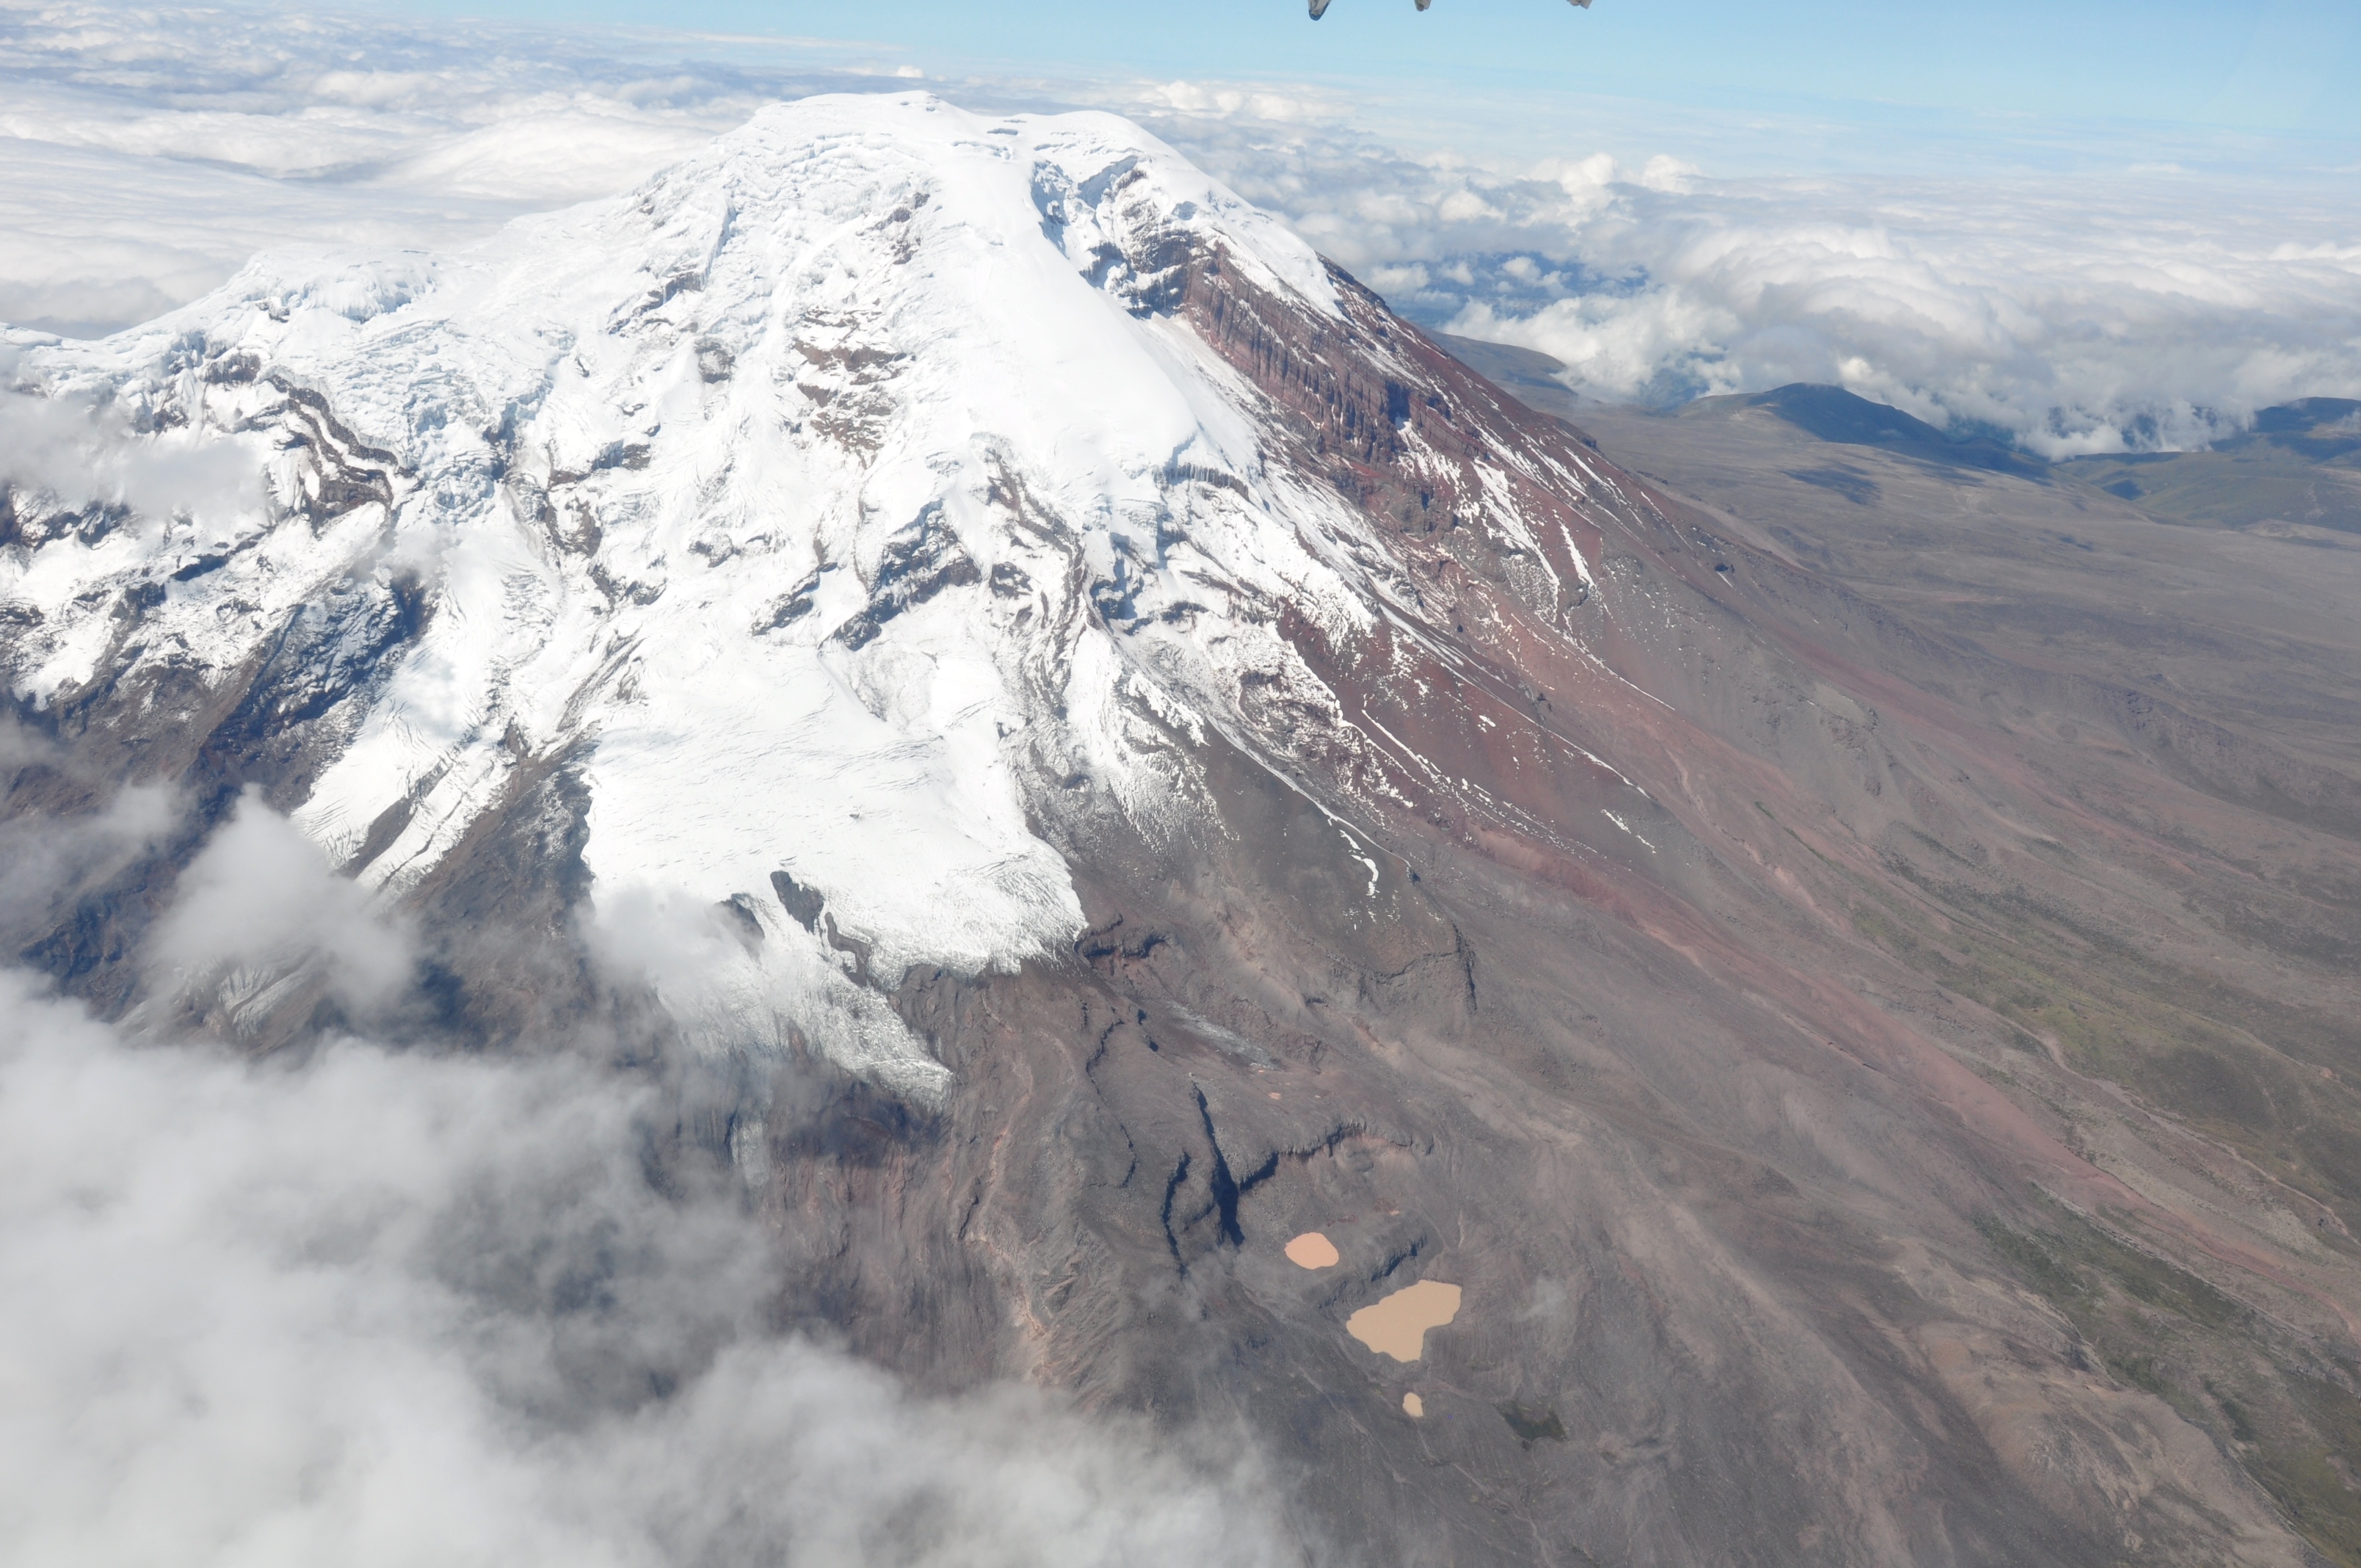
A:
(797, 495)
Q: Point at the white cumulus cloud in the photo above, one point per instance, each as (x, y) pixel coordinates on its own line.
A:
(382, 1308)
(262, 897)
(2079, 309)
(146, 154)
(61, 451)
(2082, 296)
(373, 1307)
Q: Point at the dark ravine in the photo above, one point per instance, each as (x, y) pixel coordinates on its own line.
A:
(1875, 1060)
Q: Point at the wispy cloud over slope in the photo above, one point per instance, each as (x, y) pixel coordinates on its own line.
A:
(386, 1308)
(2088, 301)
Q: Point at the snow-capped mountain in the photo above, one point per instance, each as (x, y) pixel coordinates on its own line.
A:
(970, 599)
(844, 497)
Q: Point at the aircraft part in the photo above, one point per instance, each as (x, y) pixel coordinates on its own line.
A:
(1319, 7)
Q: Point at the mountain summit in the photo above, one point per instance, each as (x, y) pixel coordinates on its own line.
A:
(1105, 753)
(853, 499)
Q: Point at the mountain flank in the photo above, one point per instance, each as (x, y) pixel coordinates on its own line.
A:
(1082, 748)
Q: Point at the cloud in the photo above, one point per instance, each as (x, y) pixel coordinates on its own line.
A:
(2080, 310)
(2089, 295)
(47, 860)
(385, 1308)
(149, 153)
(373, 1307)
(2135, 325)
(76, 455)
(260, 902)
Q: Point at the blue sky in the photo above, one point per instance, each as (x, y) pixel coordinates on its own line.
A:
(2086, 222)
(2185, 66)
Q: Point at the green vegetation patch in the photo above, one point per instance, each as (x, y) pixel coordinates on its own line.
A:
(2187, 1043)
(2291, 1422)
(2195, 1047)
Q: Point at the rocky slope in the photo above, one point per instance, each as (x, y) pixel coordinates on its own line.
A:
(1105, 749)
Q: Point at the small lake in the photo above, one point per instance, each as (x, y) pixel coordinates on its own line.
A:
(1397, 1326)
(1312, 1250)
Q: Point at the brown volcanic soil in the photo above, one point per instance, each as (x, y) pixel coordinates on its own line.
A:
(1876, 1068)
(1861, 999)
(2169, 719)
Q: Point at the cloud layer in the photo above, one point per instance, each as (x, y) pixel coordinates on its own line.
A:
(148, 153)
(72, 456)
(2081, 301)
(381, 1307)
(2076, 311)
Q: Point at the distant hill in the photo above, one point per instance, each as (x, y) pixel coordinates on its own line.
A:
(1529, 374)
(2300, 463)
(1833, 414)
